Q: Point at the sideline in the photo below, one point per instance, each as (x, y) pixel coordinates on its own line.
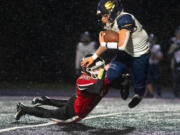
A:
(52, 123)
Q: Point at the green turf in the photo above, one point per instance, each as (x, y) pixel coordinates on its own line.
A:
(152, 116)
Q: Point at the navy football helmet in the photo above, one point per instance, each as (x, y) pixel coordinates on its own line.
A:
(99, 62)
(111, 7)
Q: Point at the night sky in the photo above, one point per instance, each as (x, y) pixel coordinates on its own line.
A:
(38, 37)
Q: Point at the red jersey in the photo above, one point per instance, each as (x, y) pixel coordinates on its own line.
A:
(85, 101)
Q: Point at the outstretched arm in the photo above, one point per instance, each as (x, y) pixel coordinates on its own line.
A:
(89, 60)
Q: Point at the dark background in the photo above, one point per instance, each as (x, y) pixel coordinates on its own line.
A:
(38, 37)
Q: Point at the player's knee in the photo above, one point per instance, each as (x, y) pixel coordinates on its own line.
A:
(112, 75)
(115, 71)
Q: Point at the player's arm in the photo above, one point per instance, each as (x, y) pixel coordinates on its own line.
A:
(124, 35)
(100, 50)
(126, 25)
(89, 60)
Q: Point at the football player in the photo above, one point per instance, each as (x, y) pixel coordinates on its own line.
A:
(133, 50)
(91, 86)
(153, 77)
(174, 54)
(84, 47)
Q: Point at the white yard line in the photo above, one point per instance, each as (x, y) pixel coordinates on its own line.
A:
(103, 115)
(29, 126)
(51, 123)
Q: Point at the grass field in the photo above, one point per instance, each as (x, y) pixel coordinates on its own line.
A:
(111, 116)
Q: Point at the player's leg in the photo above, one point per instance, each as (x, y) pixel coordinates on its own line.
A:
(139, 69)
(39, 112)
(114, 75)
(149, 82)
(61, 113)
(44, 100)
(118, 67)
(176, 83)
(124, 87)
(115, 72)
(156, 75)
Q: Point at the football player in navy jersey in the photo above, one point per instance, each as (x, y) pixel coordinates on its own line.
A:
(91, 86)
(133, 49)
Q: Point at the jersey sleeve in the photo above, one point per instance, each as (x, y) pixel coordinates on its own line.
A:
(126, 22)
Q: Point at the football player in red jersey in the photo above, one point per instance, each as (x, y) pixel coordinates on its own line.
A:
(91, 86)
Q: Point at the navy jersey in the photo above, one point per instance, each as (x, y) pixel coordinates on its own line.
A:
(137, 44)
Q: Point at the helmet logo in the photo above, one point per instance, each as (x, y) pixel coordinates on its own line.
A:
(108, 5)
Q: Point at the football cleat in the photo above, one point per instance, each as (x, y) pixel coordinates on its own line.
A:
(39, 100)
(20, 111)
(135, 101)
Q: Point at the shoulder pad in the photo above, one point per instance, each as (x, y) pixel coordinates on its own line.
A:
(84, 82)
(126, 22)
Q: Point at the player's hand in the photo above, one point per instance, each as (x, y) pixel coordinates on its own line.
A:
(87, 61)
(101, 36)
(107, 67)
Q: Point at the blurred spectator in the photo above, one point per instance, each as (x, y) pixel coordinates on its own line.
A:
(175, 41)
(153, 79)
(84, 47)
(174, 52)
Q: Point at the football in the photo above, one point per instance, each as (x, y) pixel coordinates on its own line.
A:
(111, 36)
